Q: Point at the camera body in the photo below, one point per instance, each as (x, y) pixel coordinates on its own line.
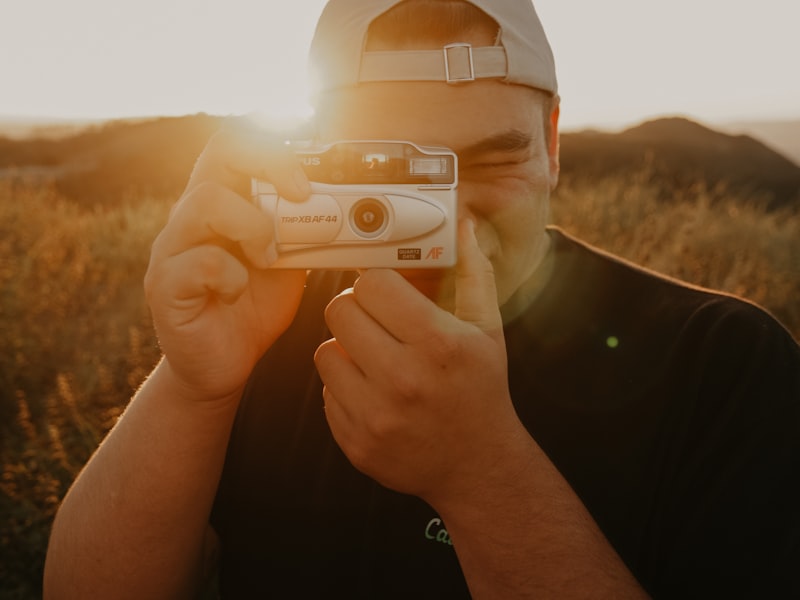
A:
(373, 204)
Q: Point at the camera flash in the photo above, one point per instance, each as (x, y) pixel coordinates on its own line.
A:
(427, 166)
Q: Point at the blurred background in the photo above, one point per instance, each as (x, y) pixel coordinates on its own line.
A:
(680, 151)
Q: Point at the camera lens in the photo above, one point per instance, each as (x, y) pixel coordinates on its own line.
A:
(368, 217)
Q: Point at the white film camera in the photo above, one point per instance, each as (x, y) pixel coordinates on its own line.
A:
(373, 204)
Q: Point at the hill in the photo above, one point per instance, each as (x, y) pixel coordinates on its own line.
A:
(782, 136)
(102, 163)
(21, 128)
(681, 152)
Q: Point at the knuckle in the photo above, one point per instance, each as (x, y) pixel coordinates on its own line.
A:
(323, 356)
(443, 349)
(331, 311)
(359, 457)
(407, 385)
(336, 308)
(384, 427)
(213, 262)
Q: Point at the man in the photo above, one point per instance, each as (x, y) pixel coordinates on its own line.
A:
(541, 421)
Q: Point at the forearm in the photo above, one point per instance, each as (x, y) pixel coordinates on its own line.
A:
(134, 521)
(523, 533)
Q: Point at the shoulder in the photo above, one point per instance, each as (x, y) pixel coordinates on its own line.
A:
(702, 308)
(711, 342)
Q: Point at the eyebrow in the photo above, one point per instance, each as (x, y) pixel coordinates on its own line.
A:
(512, 140)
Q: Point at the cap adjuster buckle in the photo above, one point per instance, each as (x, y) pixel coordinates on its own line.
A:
(454, 75)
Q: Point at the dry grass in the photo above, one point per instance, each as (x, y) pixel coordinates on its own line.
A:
(704, 236)
(77, 338)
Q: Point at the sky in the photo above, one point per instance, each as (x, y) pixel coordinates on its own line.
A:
(619, 61)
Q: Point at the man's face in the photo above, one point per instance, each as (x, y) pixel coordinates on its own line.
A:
(507, 167)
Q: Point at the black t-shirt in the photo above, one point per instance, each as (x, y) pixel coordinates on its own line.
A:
(673, 412)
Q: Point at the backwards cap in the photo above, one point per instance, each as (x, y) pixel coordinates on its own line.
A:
(521, 54)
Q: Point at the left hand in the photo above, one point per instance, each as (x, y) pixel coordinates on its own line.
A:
(416, 397)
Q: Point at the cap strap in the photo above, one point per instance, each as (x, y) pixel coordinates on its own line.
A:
(455, 63)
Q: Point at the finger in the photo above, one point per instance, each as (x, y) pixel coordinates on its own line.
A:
(339, 419)
(236, 154)
(342, 394)
(370, 346)
(397, 305)
(195, 274)
(336, 369)
(212, 213)
(476, 292)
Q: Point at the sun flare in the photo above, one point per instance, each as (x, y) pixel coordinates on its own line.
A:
(90, 59)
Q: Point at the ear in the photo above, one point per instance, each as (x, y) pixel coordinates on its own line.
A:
(553, 144)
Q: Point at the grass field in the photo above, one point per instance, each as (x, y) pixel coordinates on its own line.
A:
(77, 340)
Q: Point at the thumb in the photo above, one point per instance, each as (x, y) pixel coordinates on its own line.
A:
(476, 293)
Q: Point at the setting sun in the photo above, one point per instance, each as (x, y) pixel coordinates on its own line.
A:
(618, 62)
(94, 59)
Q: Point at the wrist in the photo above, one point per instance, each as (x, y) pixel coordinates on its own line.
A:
(507, 467)
(181, 392)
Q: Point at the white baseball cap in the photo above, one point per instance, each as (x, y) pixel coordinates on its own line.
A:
(521, 54)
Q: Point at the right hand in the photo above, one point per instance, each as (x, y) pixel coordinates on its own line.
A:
(216, 307)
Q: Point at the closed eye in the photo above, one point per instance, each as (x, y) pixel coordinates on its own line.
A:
(492, 168)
